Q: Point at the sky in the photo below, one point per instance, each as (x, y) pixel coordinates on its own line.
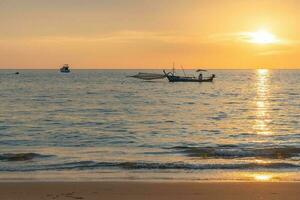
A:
(121, 34)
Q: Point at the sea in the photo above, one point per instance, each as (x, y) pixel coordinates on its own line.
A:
(101, 125)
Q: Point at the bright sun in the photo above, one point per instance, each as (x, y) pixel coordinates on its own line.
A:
(262, 37)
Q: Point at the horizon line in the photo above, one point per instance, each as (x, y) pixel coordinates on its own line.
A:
(250, 68)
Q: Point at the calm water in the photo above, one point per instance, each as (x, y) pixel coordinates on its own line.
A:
(100, 125)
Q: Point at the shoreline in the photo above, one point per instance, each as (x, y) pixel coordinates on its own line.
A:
(132, 190)
(8, 181)
(207, 176)
(146, 181)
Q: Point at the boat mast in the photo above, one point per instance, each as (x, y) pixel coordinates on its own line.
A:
(183, 70)
(173, 68)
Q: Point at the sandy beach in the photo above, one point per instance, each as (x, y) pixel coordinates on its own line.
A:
(149, 190)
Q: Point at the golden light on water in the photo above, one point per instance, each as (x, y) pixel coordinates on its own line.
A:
(263, 177)
(262, 72)
(260, 176)
(261, 161)
(262, 102)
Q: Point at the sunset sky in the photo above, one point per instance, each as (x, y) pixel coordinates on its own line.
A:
(150, 33)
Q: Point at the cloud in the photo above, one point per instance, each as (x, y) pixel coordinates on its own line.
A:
(125, 36)
(273, 52)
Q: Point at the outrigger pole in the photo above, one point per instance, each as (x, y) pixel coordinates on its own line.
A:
(183, 70)
(173, 68)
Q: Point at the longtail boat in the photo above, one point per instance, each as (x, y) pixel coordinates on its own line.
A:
(173, 78)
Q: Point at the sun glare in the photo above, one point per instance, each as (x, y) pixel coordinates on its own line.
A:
(263, 72)
(262, 37)
(263, 177)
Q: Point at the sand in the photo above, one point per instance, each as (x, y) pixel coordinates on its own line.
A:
(149, 191)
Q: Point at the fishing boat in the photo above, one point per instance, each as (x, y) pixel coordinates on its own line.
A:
(174, 78)
(65, 69)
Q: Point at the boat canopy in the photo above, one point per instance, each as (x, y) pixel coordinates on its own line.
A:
(201, 70)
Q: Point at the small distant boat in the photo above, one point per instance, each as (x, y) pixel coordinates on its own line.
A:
(148, 76)
(65, 69)
(17, 72)
(173, 78)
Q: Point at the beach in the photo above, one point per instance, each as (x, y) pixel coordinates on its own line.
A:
(127, 190)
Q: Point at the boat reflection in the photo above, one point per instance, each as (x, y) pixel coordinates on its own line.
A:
(262, 103)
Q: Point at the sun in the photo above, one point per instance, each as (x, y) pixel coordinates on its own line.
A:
(262, 37)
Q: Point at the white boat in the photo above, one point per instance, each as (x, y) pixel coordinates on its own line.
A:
(65, 68)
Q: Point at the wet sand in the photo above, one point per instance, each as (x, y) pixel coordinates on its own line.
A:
(149, 191)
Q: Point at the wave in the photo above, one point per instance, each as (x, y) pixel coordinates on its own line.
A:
(21, 156)
(229, 152)
(91, 165)
(187, 166)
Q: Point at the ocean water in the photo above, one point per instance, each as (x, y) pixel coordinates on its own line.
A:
(102, 125)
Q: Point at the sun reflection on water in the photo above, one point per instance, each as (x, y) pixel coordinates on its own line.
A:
(263, 177)
(261, 161)
(262, 103)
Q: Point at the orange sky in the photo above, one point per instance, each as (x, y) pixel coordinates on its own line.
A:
(149, 33)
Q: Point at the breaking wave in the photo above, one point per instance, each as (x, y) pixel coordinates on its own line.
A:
(228, 152)
(91, 165)
(21, 156)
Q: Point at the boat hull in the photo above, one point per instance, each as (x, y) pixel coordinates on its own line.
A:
(65, 71)
(184, 79)
(172, 78)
